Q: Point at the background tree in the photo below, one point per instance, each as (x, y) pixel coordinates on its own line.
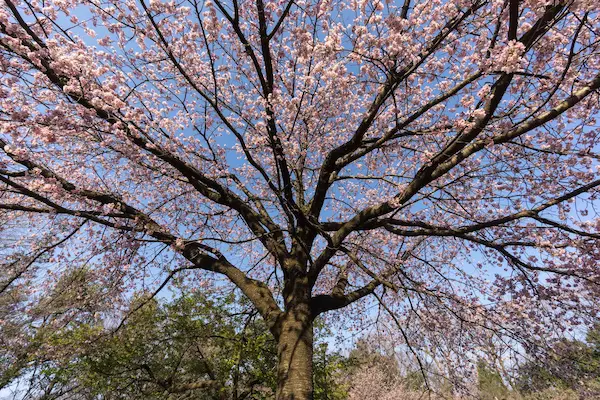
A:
(437, 157)
(490, 383)
(190, 346)
(214, 347)
(568, 364)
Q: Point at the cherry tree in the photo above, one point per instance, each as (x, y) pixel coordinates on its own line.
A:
(439, 158)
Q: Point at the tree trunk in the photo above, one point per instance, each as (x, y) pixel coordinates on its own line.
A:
(295, 356)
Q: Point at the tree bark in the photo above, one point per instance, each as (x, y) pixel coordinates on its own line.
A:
(295, 355)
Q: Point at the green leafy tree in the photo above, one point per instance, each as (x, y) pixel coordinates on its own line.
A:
(570, 365)
(490, 384)
(216, 349)
(192, 346)
(329, 372)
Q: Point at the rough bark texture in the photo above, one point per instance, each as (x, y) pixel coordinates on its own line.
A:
(295, 355)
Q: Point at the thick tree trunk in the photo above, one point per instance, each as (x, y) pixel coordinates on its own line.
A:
(295, 356)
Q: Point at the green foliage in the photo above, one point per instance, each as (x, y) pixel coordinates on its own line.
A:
(571, 365)
(208, 348)
(328, 371)
(166, 350)
(490, 384)
(414, 380)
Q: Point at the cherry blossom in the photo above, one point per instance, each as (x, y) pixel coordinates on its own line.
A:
(436, 157)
